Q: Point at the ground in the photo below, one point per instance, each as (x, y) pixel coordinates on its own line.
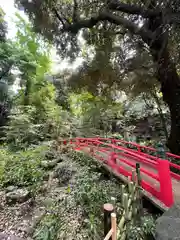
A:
(68, 204)
(22, 219)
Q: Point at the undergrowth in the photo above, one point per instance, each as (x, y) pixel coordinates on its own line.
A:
(23, 168)
(50, 225)
(93, 187)
(93, 191)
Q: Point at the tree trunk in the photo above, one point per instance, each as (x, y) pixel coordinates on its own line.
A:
(166, 75)
(170, 87)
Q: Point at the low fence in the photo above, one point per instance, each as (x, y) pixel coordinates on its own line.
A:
(155, 171)
(132, 206)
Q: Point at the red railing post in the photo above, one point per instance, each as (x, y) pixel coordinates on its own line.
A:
(77, 142)
(113, 141)
(113, 157)
(91, 150)
(139, 148)
(166, 192)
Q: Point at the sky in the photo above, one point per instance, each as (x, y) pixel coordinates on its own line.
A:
(58, 64)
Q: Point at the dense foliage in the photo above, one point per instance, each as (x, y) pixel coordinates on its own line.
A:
(113, 90)
(140, 38)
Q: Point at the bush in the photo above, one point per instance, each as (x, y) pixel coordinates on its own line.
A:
(23, 168)
(84, 160)
(4, 156)
(21, 131)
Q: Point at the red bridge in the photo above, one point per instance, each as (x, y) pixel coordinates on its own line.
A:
(160, 183)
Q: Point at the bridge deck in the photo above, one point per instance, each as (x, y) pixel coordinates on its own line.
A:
(151, 181)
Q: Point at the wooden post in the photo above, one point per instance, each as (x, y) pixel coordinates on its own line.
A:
(91, 150)
(125, 205)
(122, 193)
(134, 176)
(114, 226)
(138, 174)
(139, 197)
(108, 209)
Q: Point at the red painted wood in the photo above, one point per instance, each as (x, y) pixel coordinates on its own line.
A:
(166, 193)
(107, 147)
(150, 189)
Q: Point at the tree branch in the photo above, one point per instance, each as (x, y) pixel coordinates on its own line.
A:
(107, 16)
(58, 16)
(173, 18)
(66, 22)
(75, 11)
(133, 9)
(5, 71)
(83, 23)
(132, 27)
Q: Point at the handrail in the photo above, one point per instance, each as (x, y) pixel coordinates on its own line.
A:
(145, 147)
(162, 191)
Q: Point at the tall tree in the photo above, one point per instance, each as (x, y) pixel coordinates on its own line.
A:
(35, 62)
(154, 23)
(6, 62)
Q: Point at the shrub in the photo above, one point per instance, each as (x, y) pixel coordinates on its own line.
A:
(3, 159)
(21, 131)
(23, 168)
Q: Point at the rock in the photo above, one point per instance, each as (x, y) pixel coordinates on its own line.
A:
(167, 227)
(50, 155)
(11, 188)
(19, 195)
(63, 173)
(4, 236)
(46, 176)
(44, 164)
(49, 164)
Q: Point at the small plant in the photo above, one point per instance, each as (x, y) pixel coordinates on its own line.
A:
(50, 225)
(148, 225)
(144, 229)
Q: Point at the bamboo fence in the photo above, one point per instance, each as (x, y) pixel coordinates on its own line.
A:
(132, 206)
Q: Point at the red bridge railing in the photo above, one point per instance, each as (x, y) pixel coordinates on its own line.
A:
(157, 177)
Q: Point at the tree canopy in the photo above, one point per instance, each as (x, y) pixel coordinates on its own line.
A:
(118, 30)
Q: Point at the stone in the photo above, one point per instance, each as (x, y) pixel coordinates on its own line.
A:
(18, 195)
(167, 226)
(11, 188)
(59, 159)
(46, 176)
(4, 236)
(49, 164)
(63, 173)
(50, 155)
